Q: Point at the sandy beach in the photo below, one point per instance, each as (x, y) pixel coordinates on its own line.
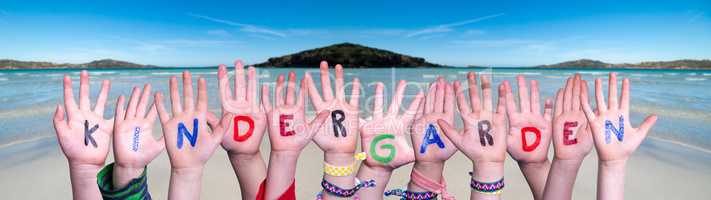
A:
(41, 173)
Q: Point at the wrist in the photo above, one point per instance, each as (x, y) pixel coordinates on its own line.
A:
(246, 157)
(339, 159)
(568, 162)
(535, 164)
(613, 164)
(84, 170)
(123, 174)
(187, 172)
(431, 170)
(377, 171)
(487, 171)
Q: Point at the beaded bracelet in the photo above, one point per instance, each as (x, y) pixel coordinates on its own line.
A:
(408, 195)
(495, 187)
(334, 190)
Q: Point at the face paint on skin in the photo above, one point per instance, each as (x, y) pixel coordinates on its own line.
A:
(337, 117)
(250, 123)
(192, 138)
(524, 143)
(136, 133)
(283, 124)
(484, 135)
(609, 129)
(88, 138)
(567, 133)
(389, 147)
(431, 137)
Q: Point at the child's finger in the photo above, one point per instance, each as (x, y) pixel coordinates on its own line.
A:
(84, 102)
(240, 83)
(175, 96)
(162, 114)
(378, 101)
(451, 133)
(103, 95)
(340, 90)
(313, 91)
(326, 82)
(355, 93)
(462, 103)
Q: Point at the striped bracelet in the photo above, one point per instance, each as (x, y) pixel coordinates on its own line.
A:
(334, 190)
(408, 195)
(495, 187)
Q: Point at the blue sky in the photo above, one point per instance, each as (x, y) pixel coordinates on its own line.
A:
(491, 33)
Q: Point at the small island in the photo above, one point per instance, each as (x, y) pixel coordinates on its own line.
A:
(676, 64)
(97, 64)
(349, 55)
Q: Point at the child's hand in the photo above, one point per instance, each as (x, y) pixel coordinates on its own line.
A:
(528, 122)
(384, 136)
(134, 145)
(430, 145)
(340, 132)
(241, 108)
(85, 135)
(484, 136)
(615, 138)
(288, 130)
(571, 134)
(187, 138)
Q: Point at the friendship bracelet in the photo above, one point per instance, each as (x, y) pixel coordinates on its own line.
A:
(342, 170)
(334, 190)
(319, 196)
(494, 188)
(422, 181)
(408, 195)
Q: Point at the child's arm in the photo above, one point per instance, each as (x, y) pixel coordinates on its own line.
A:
(572, 140)
(243, 140)
(289, 133)
(190, 145)
(84, 136)
(615, 138)
(339, 136)
(529, 134)
(134, 145)
(432, 149)
(384, 140)
(483, 140)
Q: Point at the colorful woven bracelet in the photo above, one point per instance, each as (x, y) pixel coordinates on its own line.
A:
(495, 187)
(342, 170)
(334, 190)
(319, 196)
(408, 195)
(137, 189)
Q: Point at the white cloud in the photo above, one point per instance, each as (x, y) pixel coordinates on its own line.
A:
(249, 28)
(442, 28)
(219, 33)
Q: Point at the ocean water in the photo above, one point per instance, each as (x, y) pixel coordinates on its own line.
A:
(681, 98)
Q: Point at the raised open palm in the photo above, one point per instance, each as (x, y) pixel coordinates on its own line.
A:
(84, 135)
(615, 138)
(187, 138)
(134, 145)
(246, 120)
(339, 134)
(571, 135)
(527, 122)
(288, 130)
(383, 136)
(484, 137)
(430, 145)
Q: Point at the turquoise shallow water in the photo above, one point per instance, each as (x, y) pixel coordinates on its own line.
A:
(681, 98)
